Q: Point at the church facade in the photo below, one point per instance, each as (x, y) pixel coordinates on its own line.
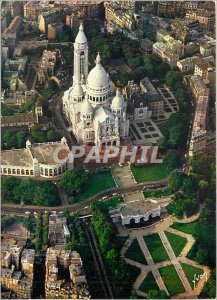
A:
(95, 117)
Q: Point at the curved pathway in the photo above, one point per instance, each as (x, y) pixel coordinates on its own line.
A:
(192, 218)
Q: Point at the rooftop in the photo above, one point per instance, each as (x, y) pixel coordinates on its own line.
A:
(16, 157)
(18, 118)
(44, 153)
(28, 256)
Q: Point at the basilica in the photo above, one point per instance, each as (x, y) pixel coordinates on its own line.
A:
(93, 114)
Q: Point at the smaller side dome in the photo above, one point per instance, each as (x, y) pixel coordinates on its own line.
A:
(86, 108)
(118, 100)
(78, 90)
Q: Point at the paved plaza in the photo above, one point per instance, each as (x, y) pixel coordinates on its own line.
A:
(123, 176)
(160, 228)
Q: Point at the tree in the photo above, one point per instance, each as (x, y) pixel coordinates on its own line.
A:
(28, 223)
(111, 255)
(161, 69)
(72, 181)
(209, 290)
(20, 136)
(39, 232)
(173, 77)
(188, 186)
(175, 180)
(50, 135)
(201, 256)
(133, 295)
(157, 294)
(172, 159)
(135, 62)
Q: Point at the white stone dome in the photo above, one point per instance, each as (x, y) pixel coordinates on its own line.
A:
(97, 77)
(81, 37)
(118, 100)
(86, 107)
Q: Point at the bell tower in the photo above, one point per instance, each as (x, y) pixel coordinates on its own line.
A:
(80, 57)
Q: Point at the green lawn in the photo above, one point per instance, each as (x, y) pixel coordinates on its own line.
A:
(113, 202)
(149, 283)
(135, 253)
(177, 242)
(96, 183)
(156, 247)
(192, 273)
(150, 173)
(187, 227)
(171, 280)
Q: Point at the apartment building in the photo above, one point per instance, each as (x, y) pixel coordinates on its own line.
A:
(198, 86)
(166, 54)
(71, 282)
(54, 30)
(17, 269)
(187, 64)
(205, 17)
(46, 67)
(207, 49)
(198, 142)
(32, 10)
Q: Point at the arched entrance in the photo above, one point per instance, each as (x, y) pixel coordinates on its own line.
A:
(132, 221)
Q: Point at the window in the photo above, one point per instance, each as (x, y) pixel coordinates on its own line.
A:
(50, 172)
(46, 172)
(22, 172)
(60, 170)
(55, 172)
(27, 172)
(5, 170)
(14, 171)
(31, 172)
(9, 171)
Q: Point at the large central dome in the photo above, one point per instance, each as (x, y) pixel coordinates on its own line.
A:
(97, 77)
